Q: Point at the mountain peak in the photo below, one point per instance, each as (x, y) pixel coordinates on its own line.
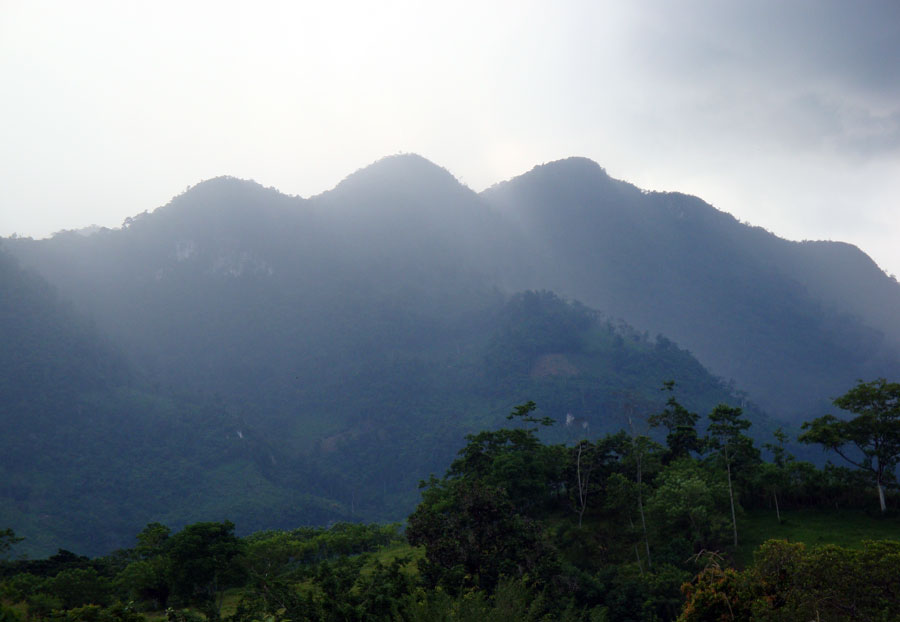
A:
(572, 164)
(220, 197)
(218, 189)
(408, 172)
(570, 177)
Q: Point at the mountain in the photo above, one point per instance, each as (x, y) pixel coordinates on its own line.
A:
(89, 451)
(792, 323)
(348, 437)
(280, 361)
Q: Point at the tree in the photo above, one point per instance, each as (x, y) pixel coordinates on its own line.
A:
(201, 563)
(874, 432)
(726, 427)
(76, 587)
(639, 446)
(583, 475)
(473, 522)
(585, 460)
(8, 539)
(473, 536)
(147, 578)
(522, 412)
(513, 459)
(774, 474)
(681, 425)
(152, 540)
(789, 581)
(687, 508)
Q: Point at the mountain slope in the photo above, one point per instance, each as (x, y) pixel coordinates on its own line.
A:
(774, 315)
(89, 453)
(288, 370)
(114, 455)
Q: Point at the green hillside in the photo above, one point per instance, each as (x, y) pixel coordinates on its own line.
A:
(618, 527)
(242, 354)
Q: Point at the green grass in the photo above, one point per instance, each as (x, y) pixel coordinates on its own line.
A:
(847, 528)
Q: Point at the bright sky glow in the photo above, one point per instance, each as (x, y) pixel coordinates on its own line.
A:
(786, 115)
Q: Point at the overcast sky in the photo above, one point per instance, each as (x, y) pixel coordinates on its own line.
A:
(784, 114)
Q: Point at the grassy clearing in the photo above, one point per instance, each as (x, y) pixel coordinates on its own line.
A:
(847, 528)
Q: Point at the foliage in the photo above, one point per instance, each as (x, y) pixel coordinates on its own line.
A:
(77, 587)
(514, 459)
(97, 613)
(736, 450)
(681, 426)
(497, 538)
(789, 582)
(874, 432)
(201, 564)
(473, 536)
(8, 539)
(512, 601)
(688, 509)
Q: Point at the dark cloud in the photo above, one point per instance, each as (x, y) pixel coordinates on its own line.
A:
(853, 44)
(808, 75)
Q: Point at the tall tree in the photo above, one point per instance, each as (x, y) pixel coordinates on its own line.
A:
(726, 436)
(641, 445)
(8, 539)
(473, 536)
(681, 424)
(201, 564)
(589, 465)
(869, 441)
(514, 459)
(583, 474)
(774, 474)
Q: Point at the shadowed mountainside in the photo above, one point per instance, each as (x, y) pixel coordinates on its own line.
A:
(792, 323)
(277, 360)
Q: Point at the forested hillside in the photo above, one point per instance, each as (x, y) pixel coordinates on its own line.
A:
(242, 354)
(349, 437)
(90, 449)
(617, 527)
(790, 322)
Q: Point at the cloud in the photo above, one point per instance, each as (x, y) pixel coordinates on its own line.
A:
(110, 108)
(801, 75)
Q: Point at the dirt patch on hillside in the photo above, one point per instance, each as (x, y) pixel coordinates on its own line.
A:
(553, 365)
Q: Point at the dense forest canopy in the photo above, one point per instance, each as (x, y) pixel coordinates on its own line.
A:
(617, 528)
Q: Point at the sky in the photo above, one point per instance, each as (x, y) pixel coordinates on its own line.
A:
(784, 114)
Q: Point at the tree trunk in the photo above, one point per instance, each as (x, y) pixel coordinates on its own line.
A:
(777, 511)
(637, 554)
(881, 497)
(582, 488)
(639, 458)
(731, 496)
(641, 508)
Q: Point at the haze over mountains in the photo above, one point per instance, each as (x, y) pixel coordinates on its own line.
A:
(243, 354)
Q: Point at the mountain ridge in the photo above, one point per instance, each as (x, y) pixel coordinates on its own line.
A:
(669, 263)
(672, 263)
(299, 429)
(353, 337)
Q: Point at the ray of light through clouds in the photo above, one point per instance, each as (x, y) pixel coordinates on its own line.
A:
(785, 114)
